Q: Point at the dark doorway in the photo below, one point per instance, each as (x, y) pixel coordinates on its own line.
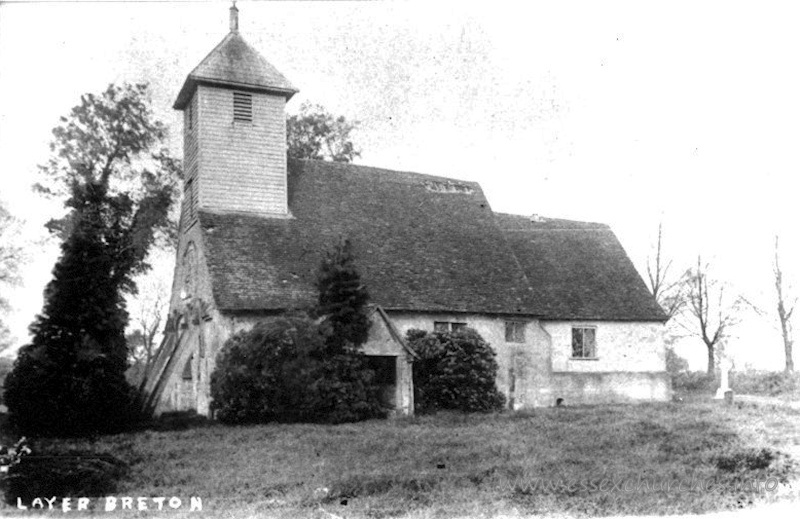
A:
(385, 368)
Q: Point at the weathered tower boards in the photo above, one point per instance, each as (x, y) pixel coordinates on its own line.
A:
(235, 130)
(560, 302)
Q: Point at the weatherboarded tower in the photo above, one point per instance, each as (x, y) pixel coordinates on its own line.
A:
(235, 131)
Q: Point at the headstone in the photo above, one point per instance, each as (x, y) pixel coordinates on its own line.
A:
(729, 397)
(724, 385)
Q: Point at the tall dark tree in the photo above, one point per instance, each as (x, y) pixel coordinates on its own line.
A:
(316, 134)
(343, 298)
(118, 187)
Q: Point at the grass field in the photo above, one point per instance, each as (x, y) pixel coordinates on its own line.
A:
(452, 465)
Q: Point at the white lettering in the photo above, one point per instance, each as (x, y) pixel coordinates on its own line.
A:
(141, 503)
(111, 503)
(126, 503)
(175, 502)
(160, 502)
(20, 506)
(196, 504)
(50, 502)
(83, 503)
(65, 505)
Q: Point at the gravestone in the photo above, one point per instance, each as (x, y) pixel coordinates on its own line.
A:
(724, 384)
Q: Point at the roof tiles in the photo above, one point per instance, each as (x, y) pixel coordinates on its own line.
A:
(578, 270)
(234, 63)
(422, 243)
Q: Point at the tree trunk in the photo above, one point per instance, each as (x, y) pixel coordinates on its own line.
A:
(784, 315)
(710, 370)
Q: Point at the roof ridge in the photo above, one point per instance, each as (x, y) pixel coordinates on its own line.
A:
(364, 167)
(600, 227)
(548, 219)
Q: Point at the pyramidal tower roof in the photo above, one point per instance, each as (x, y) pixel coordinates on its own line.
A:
(234, 63)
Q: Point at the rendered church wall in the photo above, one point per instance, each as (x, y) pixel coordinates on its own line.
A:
(629, 365)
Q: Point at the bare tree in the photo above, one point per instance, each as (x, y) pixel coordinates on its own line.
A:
(785, 309)
(711, 311)
(665, 287)
(148, 308)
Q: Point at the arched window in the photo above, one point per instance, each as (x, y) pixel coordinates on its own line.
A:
(189, 271)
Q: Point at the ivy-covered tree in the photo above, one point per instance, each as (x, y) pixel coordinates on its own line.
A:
(316, 134)
(118, 185)
(343, 299)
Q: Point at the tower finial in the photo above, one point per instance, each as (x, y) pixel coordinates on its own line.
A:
(234, 17)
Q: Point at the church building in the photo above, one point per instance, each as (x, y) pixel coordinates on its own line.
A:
(559, 301)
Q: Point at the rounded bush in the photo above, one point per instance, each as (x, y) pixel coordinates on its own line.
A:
(278, 371)
(456, 370)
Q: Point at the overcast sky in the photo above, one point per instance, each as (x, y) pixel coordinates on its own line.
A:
(620, 112)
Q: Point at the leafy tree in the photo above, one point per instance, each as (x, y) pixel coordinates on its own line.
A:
(316, 134)
(10, 257)
(456, 371)
(118, 186)
(342, 299)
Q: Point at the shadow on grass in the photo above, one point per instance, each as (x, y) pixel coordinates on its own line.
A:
(178, 421)
(53, 469)
(71, 474)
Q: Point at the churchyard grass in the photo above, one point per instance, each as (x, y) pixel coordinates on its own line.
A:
(550, 461)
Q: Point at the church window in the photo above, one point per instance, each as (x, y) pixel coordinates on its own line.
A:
(189, 204)
(187, 369)
(448, 326)
(189, 271)
(584, 345)
(242, 107)
(515, 331)
(190, 115)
